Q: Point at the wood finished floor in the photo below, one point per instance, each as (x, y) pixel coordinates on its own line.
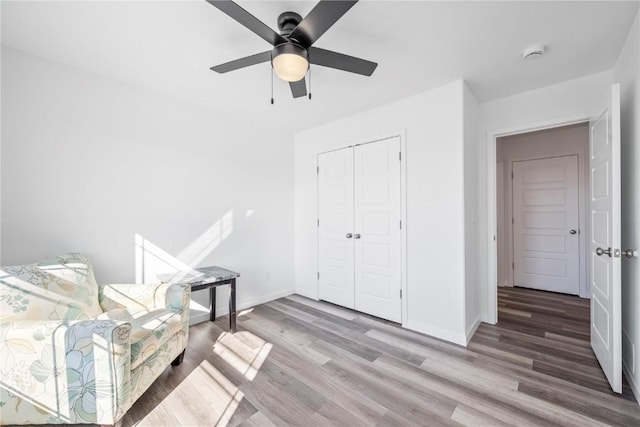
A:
(300, 362)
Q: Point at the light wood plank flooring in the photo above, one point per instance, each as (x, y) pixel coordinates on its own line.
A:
(300, 362)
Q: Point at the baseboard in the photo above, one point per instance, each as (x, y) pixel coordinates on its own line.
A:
(632, 382)
(443, 334)
(472, 330)
(307, 294)
(199, 318)
(241, 306)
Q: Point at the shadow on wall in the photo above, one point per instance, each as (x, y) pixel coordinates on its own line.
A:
(151, 260)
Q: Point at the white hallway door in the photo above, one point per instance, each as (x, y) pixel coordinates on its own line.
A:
(369, 203)
(606, 294)
(546, 237)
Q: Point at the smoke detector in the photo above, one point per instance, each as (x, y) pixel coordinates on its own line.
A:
(534, 51)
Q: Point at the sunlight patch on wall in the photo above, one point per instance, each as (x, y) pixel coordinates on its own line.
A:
(194, 305)
(201, 247)
(152, 260)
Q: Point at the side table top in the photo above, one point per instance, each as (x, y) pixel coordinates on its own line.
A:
(199, 275)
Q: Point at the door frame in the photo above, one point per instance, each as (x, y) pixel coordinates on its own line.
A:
(402, 134)
(491, 301)
(583, 186)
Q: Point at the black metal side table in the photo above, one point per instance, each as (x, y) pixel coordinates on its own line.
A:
(209, 278)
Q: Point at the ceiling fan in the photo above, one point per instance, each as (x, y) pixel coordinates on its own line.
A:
(293, 48)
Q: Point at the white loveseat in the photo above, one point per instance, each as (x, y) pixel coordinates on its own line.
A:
(73, 351)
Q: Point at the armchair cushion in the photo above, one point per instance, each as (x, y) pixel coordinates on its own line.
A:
(141, 296)
(20, 300)
(60, 288)
(150, 329)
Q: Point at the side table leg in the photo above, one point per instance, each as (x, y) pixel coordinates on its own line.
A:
(232, 306)
(212, 303)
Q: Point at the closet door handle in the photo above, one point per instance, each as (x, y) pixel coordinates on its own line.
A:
(356, 236)
(349, 235)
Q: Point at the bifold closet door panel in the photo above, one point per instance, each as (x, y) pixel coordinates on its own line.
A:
(335, 229)
(377, 238)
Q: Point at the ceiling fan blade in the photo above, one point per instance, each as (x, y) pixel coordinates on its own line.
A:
(248, 20)
(247, 61)
(340, 61)
(299, 88)
(319, 20)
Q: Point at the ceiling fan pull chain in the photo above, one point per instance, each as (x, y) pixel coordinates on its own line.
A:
(309, 81)
(271, 85)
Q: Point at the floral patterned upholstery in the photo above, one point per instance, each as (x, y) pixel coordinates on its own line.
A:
(149, 329)
(72, 351)
(61, 288)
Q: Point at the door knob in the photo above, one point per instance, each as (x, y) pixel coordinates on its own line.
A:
(349, 235)
(356, 236)
(600, 252)
(629, 253)
(572, 231)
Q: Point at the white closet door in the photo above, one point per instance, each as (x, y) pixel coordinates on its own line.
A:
(335, 190)
(377, 229)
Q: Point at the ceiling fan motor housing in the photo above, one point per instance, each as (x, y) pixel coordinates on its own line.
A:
(290, 48)
(287, 21)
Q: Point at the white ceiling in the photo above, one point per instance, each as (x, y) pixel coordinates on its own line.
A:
(168, 47)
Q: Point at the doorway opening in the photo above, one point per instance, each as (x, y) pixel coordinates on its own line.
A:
(542, 184)
(601, 230)
(543, 243)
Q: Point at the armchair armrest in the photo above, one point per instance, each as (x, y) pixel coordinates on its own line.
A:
(174, 296)
(65, 371)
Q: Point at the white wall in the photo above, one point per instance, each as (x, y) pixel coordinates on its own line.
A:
(435, 202)
(627, 72)
(90, 163)
(571, 101)
(472, 292)
(561, 141)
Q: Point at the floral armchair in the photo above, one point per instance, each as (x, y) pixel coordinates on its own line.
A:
(75, 352)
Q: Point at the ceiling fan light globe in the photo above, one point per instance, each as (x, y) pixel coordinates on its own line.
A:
(290, 62)
(290, 67)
